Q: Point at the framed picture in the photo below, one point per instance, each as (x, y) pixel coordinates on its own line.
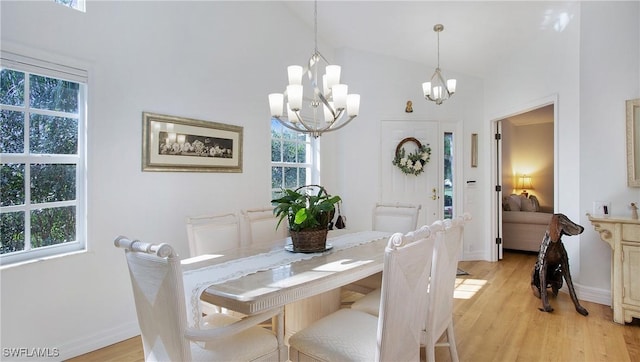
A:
(474, 150)
(178, 144)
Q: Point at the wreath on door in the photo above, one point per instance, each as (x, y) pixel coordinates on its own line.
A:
(414, 162)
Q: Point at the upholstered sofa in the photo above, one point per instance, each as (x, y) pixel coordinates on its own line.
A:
(523, 223)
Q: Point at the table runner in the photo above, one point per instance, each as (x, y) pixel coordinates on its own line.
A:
(197, 280)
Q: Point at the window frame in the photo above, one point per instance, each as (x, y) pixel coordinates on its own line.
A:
(79, 5)
(312, 154)
(48, 65)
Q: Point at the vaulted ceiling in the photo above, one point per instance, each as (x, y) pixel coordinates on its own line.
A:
(478, 35)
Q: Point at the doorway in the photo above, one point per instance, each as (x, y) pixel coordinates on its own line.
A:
(435, 189)
(525, 170)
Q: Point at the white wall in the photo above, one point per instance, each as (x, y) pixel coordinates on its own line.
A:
(609, 75)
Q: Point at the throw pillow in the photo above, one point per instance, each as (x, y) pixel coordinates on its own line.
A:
(514, 202)
(505, 204)
(527, 205)
(536, 203)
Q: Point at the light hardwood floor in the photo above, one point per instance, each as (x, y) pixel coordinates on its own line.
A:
(499, 321)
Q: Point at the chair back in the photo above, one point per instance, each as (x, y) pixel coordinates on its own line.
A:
(209, 234)
(448, 247)
(156, 279)
(405, 281)
(395, 217)
(259, 226)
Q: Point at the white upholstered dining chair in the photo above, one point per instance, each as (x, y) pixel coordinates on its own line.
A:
(439, 315)
(395, 217)
(210, 234)
(259, 226)
(353, 335)
(158, 291)
(390, 217)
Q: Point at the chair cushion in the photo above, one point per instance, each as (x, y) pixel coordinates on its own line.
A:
(370, 303)
(346, 335)
(244, 346)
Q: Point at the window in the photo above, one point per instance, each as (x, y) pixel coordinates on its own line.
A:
(74, 4)
(293, 156)
(448, 175)
(42, 151)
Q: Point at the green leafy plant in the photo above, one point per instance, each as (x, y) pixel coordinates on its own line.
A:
(305, 210)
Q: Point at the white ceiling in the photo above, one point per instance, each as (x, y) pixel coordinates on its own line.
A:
(477, 34)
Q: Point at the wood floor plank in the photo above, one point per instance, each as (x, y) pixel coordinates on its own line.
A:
(499, 321)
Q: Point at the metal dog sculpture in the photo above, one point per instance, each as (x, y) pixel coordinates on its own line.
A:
(553, 263)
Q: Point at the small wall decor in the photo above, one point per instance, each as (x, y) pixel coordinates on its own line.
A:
(409, 107)
(414, 162)
(633, 142)
(181, 144)
(474, 150)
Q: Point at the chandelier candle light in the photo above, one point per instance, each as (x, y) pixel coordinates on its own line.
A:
(330, 107)
(437, 90)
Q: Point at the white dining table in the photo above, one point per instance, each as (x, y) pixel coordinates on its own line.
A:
(253, 279)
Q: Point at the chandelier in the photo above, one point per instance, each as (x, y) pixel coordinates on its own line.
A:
(325, 107)
(437, 89)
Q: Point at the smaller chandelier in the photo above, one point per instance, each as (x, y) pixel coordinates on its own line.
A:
(437, 89)
(328, 108)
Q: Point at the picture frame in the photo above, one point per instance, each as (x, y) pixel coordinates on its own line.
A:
(633, 142)
(178, 144)
(474, 150)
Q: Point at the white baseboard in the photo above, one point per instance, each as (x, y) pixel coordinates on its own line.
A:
(590, 294)
(594, 295)
(473, 256)
(99, 340)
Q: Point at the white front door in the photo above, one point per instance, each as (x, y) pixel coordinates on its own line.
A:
(424, 189)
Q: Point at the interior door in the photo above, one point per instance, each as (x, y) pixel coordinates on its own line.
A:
(498, 187)
(424, 189)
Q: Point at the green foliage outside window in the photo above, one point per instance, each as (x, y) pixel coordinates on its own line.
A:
(49, 113)
(289, 159)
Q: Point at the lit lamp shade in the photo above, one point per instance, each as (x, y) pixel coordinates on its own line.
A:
(339, 93)
(295, 74)
(524, 184)
(426, 88)
(275, 103)
(328, 113)
(451, 85)
(294, 96)
(353, 104)
(333, 75)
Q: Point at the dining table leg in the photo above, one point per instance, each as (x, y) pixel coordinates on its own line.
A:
(300, 314)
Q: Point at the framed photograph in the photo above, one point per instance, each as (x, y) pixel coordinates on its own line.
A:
(474, 150)
(177, 144)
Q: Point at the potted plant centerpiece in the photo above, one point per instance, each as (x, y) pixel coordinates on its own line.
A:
(309, 210)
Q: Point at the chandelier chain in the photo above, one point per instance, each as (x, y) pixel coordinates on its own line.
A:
(438, 50)
(315, 25)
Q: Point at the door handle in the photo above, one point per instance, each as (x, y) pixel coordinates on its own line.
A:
(434, 195)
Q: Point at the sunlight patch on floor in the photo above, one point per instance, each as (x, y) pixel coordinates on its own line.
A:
(467, 288)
